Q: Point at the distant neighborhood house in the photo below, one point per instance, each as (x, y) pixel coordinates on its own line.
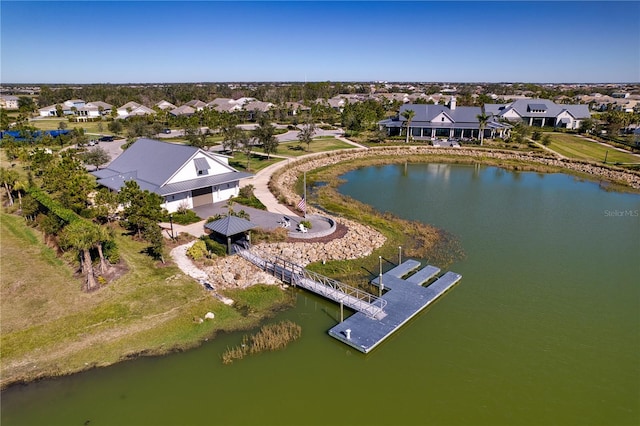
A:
(541, 113)
(440, 121)
(77, 108)
(133, 109)
(9, 102)
(185, 176)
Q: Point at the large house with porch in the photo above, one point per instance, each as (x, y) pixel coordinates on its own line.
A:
(185, 176)
(541, 113)
(440, 121)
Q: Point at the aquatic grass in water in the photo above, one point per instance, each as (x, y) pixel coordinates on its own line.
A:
(271, 337)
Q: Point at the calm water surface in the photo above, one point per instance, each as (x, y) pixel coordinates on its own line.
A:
(544, 328)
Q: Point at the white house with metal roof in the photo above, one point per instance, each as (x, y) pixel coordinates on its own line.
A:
(439, 121)
(541, 112)
(185, 176)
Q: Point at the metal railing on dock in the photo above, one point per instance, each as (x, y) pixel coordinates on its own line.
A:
(294, 274)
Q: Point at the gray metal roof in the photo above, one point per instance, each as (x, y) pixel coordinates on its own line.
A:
(426, 113)
(230, 225)
(524, 108)
(152, 163)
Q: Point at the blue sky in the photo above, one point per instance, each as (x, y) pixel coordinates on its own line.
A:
(149, 41)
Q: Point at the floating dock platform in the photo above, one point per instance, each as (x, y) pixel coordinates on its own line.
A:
(405, 298)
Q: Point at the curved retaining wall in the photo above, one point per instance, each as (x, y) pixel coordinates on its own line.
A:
(318, 234)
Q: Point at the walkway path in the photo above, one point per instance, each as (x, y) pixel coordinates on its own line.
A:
(260, 180)
(179, 256)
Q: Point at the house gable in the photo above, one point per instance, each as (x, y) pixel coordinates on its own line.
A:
(201, 164)
(442, 118)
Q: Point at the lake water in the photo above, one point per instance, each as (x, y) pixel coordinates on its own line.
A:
(544, 328)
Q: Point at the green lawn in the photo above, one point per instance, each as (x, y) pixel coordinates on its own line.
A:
(574, 147)
(52, 124)
(257, 162)
(51, 327)
(295, 149)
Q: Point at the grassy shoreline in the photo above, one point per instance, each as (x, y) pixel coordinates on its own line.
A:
(51, 328)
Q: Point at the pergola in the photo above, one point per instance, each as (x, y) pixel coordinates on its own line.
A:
(229, 227)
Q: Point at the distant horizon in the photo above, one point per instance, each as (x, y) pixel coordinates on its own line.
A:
(125, 42)
(591, 83)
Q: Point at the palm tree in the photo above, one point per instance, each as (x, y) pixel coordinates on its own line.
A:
(103, 236)
(483, 119)
(19, 186)
(408, 114)
(82, 235)
(8, 179)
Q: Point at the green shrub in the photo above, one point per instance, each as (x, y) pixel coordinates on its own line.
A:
(306, 224)
(213, 246)
(247, 198)
(184, 217)
(198, 250)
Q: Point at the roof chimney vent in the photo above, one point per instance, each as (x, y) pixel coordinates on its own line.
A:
(452, 103)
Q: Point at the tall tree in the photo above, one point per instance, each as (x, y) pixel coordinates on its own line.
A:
(408, 115)
(246, 145)
(140, 207)
(306, 133)
(265, 134)
(483, 119)
(96, 157)
(231, 137)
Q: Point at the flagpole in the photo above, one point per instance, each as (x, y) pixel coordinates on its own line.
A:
(305, 194)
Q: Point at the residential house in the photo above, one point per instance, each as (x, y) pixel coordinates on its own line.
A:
(9, 102)
(257, 107)
(294, 107)
(126, 109)
(197, 104)
(541, 113)
(103, 107)
(164, 105)
(433, 121)
(185, 110)
(225, 105)
(132, 109)
(185, 176)
(51, 111)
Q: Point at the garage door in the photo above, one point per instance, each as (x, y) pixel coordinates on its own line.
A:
(202, 196)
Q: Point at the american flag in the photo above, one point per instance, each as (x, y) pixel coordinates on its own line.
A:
(302, 205)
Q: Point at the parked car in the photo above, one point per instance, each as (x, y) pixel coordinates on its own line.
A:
(167, 131)
(107, 139)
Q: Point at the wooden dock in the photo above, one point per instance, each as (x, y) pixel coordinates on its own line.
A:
(405, 299)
